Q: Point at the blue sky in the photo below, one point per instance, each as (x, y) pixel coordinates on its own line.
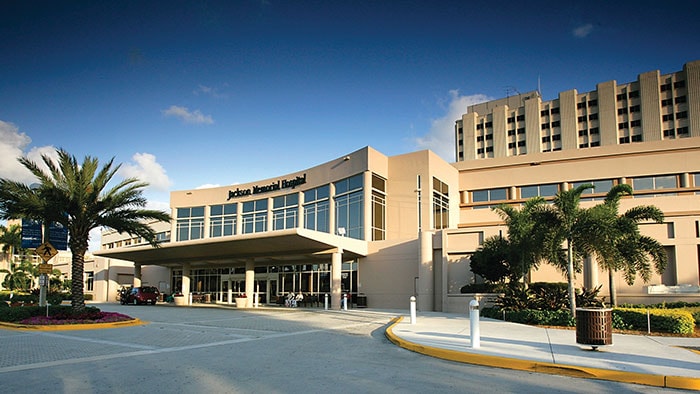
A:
(192, 93)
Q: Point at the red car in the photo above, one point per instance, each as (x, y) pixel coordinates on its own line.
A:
(140, 295)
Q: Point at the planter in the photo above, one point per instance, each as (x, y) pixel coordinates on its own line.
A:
(594, 326)
(240, 302)
(180, 300)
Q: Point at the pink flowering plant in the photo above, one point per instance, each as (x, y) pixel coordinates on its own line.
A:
(87, 318)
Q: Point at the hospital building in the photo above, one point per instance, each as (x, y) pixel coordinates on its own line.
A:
(379, 229)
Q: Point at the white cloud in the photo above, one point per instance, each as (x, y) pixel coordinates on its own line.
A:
(207, 186)
(148, 170)
(12, 146)
(188, 116)
(583, 30)
(209, 91)
(441, 137)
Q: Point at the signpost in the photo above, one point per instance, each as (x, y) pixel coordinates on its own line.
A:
(46, 251)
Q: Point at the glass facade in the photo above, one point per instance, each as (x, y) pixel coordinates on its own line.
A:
(441, 205)
(190, 223)
(317, 209)
(349, 206)
(285, 212)
(222, 220)
(254, 218)
(378, 208)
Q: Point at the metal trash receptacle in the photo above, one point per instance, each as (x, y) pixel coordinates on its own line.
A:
(594, 326)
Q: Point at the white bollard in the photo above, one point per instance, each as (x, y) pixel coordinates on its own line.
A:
(345, 302)
(413, 310)
(256, 299)
(325, 302)
(474, 323)
(189, 299)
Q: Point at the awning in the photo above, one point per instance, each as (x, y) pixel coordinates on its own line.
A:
(271, 247)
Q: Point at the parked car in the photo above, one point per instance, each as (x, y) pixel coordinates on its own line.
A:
(140, 295)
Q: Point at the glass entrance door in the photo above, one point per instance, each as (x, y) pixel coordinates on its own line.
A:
(272, 295)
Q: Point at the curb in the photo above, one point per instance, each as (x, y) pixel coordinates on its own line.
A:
(72, 327)
(675, 382)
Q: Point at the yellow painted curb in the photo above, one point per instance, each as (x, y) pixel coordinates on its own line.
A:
(676, 382)
(70, 327)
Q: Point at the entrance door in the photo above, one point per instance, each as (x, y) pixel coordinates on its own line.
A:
(272, 295)
(223, 294)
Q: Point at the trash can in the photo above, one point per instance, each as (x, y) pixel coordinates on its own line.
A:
(594, 326)
(361, 301)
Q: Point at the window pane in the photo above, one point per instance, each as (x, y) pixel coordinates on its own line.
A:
(528, 191)
(645, 183)
(498, 194)
(548, 190)
(666, 182)
(480, 195)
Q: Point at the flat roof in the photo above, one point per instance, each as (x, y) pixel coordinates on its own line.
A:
(271, 247)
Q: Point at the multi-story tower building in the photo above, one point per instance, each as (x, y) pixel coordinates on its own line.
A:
(655, 107)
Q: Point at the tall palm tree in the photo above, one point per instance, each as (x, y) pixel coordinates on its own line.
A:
(565, 222)
(76, 196)
(624, 248)
(524, 243)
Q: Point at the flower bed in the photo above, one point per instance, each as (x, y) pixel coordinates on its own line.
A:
(101, 317)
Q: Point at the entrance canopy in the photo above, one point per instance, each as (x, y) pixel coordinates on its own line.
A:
(271, 247)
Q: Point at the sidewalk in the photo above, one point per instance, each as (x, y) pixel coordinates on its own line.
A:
(648, 360)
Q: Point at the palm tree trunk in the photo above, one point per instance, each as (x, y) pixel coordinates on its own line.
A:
(613, 291)
(77, 269)
(570, 276)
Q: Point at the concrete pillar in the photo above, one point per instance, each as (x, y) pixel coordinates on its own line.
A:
(336, 267)
(186, 280)
(249, 282)
(426, 280)
(137, 275)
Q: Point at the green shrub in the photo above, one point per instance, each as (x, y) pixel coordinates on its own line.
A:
(674, 321)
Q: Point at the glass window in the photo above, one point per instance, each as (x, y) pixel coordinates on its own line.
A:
(316, 209)
(349, 206)
(378, 208)
(190, 223)
(655, 182)
(490, 195)
(548, 190)
(441, 204)
(254, 218)
(285, 212)
(222, 220)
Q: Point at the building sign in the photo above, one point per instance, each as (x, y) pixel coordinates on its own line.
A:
(278, 185)
(58, 236)
(31, 233)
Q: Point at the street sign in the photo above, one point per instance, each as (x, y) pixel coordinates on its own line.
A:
(45, 268)
(46, 251)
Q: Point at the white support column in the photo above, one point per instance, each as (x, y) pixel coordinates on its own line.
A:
(249, 282)
(186, 281)
(336, 267)
(137, 275)
(426, 275)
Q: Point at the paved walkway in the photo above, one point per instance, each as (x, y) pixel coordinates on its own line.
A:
(650, 360)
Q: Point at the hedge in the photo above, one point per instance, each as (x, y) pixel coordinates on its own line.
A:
(676, 321)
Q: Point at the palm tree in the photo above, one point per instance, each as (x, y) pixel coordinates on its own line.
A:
(10, 239)
(524, 243)
(624, 248)
(566, 222)
(18, 276)
(76, 196)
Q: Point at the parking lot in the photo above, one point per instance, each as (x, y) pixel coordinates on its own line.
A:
(276, 350)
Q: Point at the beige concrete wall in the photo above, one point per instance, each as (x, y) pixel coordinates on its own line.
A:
(387, 274)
